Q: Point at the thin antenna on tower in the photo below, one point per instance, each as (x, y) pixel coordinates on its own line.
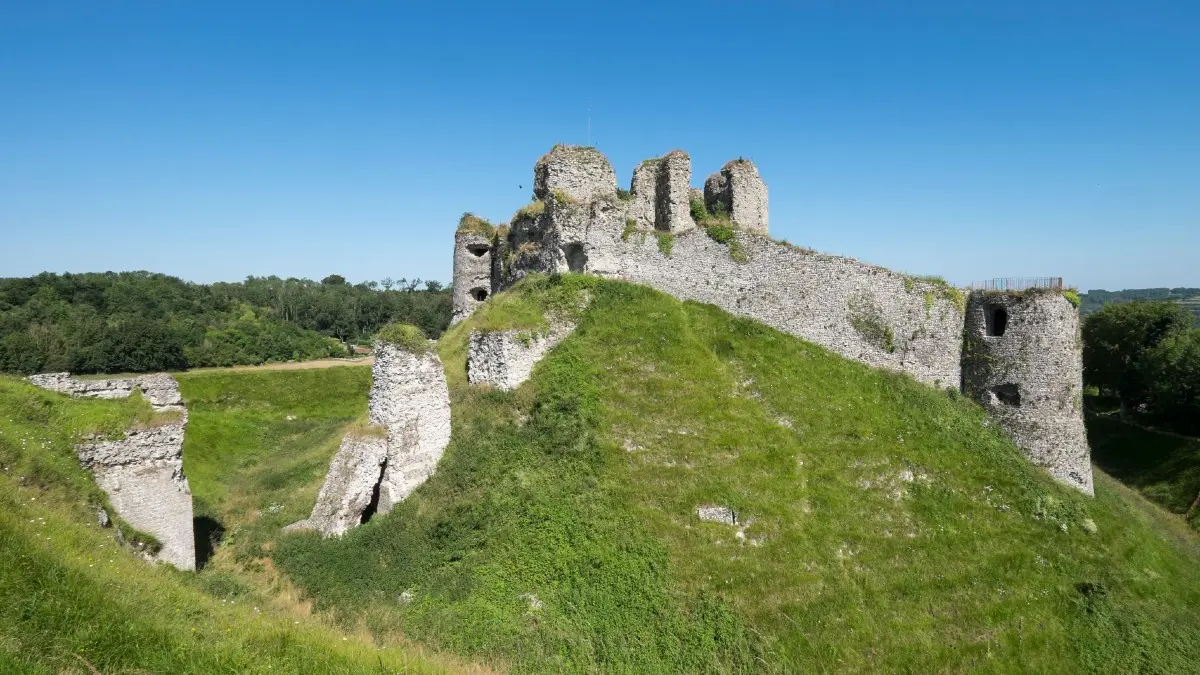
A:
(589, 121)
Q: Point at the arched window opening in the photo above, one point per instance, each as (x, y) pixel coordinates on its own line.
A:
(997, 320)
(480, 294)
(478, 250)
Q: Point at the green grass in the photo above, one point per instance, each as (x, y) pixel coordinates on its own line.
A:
(473, 223)
(71, 598)
(887, 526)
(1162, 466)
(407, 337)
(258, 446)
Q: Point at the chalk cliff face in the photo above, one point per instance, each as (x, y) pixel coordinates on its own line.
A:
(142, 474)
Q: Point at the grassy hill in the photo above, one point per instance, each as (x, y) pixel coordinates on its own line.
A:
(882, 525)
(72, 600)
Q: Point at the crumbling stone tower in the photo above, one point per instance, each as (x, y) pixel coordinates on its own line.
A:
(1023, 362)
(472, 266)
(738, 190)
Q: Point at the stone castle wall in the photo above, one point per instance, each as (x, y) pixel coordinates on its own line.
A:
(860, 311)
(1023, 363)
(142, 474)
(409, 396)
(505, 359)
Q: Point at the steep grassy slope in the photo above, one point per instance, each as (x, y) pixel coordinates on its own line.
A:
(257, 448)
(1165, 467)
(883, 525)
(72, 599)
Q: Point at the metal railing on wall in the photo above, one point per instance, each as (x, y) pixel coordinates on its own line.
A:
(1018, 284)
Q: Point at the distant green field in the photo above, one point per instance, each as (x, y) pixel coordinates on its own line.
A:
(1095, 299)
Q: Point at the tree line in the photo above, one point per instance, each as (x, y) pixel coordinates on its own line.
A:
(141, 321)
(1148, 355)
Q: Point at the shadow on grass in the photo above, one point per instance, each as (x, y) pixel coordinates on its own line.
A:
(208, 533)
(1164, 467)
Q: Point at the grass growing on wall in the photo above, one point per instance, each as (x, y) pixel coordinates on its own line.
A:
(884, 526)
(73, 600)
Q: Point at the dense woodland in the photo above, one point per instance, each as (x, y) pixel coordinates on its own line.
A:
(1147, 354)
(141, 321)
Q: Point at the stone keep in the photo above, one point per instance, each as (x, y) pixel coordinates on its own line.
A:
(738, 190)
(1023, 363)
(858, 310)
(142, 474)
(472, 271)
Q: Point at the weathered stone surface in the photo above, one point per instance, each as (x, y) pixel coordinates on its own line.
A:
(581, 173)
(644, 187)
(673, 209)
(738, 190)
(505, 359)
(350, 486)
(409, 397)
(1023, 363)
(472, 273)
(142, 473)
(716, 514)
(814, 296)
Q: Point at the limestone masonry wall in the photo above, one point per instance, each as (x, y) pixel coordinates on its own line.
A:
(505, 359)
(409, 396)
(350, 487)
(1023, 363)
(142, 474)
(860, 311)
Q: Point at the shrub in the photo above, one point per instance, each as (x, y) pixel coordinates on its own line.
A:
(530, 211)
(630, 227)
(563, 198)
(666, 242)
(1072, 296)
(722, 234)
(624, 195)
(473, 223)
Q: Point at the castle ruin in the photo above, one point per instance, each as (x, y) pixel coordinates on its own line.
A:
(1024, 369)
(142, 473)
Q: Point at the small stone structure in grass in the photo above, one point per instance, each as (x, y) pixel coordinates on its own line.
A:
(505, 359)
(919, 326)
(142, 473)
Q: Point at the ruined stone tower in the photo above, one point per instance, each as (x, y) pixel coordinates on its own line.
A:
(472, 266)
(1023, 362)
(1028, 376)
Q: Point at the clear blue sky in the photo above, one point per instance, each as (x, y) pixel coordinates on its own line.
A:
(213, 141)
